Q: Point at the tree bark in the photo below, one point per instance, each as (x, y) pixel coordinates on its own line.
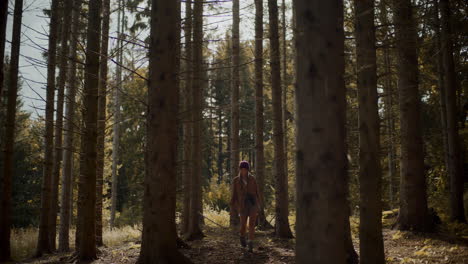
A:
(63, 64)
(285, 84)
(259, 112)
(457, 212)
(43, 244)
(370, 172)
(87, 241)
(159, 229)
(187, 126)
(102, 107)
(3, 24)
(8, 158)
(117, 116)
(413, 200)
(321, 164)
(282, 228)
(69, 125)
(235, 84)
(194, 231)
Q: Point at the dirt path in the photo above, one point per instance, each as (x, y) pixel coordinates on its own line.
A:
(222, 246)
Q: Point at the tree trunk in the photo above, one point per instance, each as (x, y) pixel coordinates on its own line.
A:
(285, 84)
(43, 244)
(87, 241)
(63, 64)
(8, 161)
(413, 201)
(187, 126)
(3, 24)
(457, 212)
(159, 229)
(440, 83)
(370, 173)
(281, 181)
(235, 84)
(194, 231)
(67, 170)
(102, 106)
(117, 117)
(321, 164)
(259, 111)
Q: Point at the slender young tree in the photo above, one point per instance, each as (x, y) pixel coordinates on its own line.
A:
(194, 231)
(43, 243)
(282, 228)
(8, 155)
(235, 84)
(63, 67)
(321, 165)
(457, 212)
(102, 106)
(3, 24)
(87, 241)
(117, 115)
(187, 125)
(413, 200)
(69, 130)
(159, 201)
(370, 173)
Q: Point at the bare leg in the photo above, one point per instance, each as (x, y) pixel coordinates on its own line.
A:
(252, 219)
(243, 222)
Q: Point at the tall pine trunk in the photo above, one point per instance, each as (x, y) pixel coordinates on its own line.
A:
(3, 24)
(413, 200)
(235, 86)
(457, 212)
(43, 243)
(69, 130)
(321, 164)
(285, 83)
(370, 172)
(282, 228)
(159, 201)
(117, 116)
(63, 65)
(194, 231)
(102, 107)
(8, 158)
(187, 125)
(87, 241)
(259, 112)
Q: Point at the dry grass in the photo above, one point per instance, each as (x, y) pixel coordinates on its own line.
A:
(24, 240)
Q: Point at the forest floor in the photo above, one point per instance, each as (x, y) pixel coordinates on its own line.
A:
(221, 245)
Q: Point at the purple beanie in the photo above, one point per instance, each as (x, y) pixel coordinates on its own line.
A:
(244, 164)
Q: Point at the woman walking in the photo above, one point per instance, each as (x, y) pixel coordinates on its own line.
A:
(246, 200)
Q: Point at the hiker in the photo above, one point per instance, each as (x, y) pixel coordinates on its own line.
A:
(246, 201)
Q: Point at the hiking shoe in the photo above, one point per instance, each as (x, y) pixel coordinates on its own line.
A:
(242, 241)
(250, 246)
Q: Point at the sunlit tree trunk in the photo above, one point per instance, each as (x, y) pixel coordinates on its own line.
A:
(321, 165)
(413, 201)
(87, 242)
(102, 107)
(370, 172)
(457, 212)
(69, 129)
(235, 84)
(187, 125)
(281, 181)
(43, 244)
(8, 155)
(159, 201)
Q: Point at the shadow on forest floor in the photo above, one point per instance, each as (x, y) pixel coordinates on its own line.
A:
(222, 246)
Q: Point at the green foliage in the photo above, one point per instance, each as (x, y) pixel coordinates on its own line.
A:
(217, 195)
